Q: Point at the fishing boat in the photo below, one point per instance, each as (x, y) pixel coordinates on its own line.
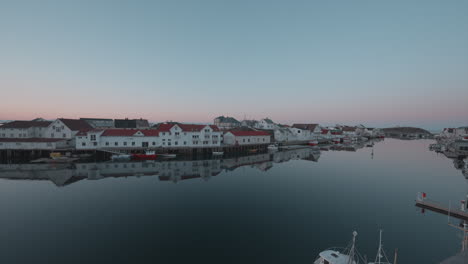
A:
(167, 156)
(381, 257)
(313, 143)
(272, 147)
(218, 153)
(348, 255)
(148, 155)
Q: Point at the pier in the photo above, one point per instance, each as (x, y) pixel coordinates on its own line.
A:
(422, 202)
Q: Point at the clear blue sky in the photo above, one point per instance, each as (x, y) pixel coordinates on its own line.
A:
(373, 62)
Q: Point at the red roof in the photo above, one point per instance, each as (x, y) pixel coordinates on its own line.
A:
(129, 132)
(46, 140)
(249, 133)
(76, 124)
(26, 124)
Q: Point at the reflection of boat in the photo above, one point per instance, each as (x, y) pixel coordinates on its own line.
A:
(167, 155)
(253, 150)
(313, 143)
(121, 157)
(272, 147)
(334, 256)
(336, 140)
(218, 153)
(148, 155)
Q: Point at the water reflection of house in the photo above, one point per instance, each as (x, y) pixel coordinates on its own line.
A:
(174, 170)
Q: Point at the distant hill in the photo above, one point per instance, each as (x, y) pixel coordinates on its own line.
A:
(406, 130)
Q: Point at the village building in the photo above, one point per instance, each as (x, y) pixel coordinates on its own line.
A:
(189, 135)
(246, 138)
(99, 122)
(266, 124)
(131, 123)
(349, 131)
(24, 129)
(33, 143)
(226, 122)
(314, 128)
(169, 135)
(118, 139)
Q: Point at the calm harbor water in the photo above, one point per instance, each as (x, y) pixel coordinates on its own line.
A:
(265, 208)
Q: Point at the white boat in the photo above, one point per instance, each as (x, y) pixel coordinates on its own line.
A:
(218, 153)
(381, 257)
(272, 147)
(335, 256)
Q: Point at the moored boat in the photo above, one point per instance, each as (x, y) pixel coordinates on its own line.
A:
(272, 147)
(148, 155)
(313, 143)
(121, 157)
(335, 256)
(218, 153)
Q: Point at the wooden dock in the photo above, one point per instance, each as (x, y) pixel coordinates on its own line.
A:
(436, 207)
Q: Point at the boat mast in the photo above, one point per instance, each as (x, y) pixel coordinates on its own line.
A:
(351, 251)
(379, 252)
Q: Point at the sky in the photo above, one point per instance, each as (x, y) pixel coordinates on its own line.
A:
(379, 63)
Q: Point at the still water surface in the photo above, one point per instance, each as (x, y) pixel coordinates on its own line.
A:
(282, 208)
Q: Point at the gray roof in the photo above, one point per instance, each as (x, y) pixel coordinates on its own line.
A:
(268, 120)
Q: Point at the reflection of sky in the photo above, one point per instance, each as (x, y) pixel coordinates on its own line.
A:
(284, 215)
(377, 63)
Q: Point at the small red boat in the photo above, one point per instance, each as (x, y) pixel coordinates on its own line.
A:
(149, 155)
(313, 143)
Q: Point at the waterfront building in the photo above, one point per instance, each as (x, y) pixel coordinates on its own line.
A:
(266, 124)
(246, 138)
(131, 123)
(349, 131)
(122, 139)
(166, 135)
(226, 122)
(33, 143)
(24, 129)
(189, 135)
(99, 122)
(314, 128)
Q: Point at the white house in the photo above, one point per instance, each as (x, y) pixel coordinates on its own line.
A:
(24, 129)
(349, 131)
(118, 139)
(266, 124)
(246, 137)
(249, 123)
(226, 122)
(189, 135)
(165, 135)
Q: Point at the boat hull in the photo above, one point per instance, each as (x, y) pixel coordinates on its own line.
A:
(144, 156)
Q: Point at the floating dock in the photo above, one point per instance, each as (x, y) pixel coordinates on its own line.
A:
(436, 207)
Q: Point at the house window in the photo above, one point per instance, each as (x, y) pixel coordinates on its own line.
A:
(207, 130)
(51, 135)
(263, 139)
(185, 142)
(116, 143)
(53, 127)
(243, 140)
(93, 137)
(107, 143)
(176, 143)
(83, 144)
(164, 143)
(248, 140)
(125, 143)
(168, 143)
(164, 134)
(95, 143)
(205, 142)
(177, 133)
(133, 143)
(154, 143)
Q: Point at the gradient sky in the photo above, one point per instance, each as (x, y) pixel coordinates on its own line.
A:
(373, 62)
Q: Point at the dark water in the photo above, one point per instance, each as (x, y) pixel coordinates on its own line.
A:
(263, 212)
